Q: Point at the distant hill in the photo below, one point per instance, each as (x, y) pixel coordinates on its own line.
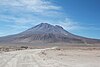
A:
(47, 33)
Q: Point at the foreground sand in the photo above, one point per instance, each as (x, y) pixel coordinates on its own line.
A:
(51, 57)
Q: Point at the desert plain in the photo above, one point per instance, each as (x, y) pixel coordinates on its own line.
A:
(52, 57)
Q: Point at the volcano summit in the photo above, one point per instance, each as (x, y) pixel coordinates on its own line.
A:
(47, 33)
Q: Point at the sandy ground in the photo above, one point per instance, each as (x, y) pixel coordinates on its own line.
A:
(50, 58)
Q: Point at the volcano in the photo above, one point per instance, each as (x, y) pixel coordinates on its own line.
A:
(47, 33)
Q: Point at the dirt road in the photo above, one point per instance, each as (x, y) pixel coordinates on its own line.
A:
(50, 58)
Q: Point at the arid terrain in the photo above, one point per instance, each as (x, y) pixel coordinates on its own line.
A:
(52, 57)
(35, 47)
(49, 33)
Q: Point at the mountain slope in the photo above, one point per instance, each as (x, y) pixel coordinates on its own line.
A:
(45, 32)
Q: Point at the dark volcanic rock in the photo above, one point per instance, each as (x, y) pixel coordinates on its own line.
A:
(47, 33)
